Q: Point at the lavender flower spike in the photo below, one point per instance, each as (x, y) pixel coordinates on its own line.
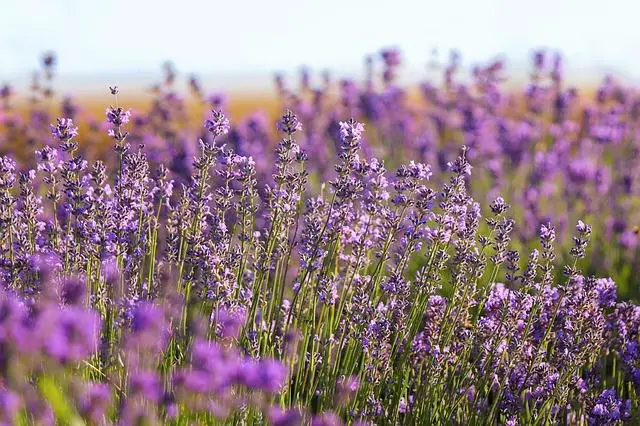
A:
(218, 124)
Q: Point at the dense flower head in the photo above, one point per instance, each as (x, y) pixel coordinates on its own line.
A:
(547, 232)
(461, 166)
(351, 133)
(75, 333)
(118, 115)
(264, 375)
(608, 409)
(7, 172)
(499, 206)
(148, 328)
(607, 292)
(583, 228)
(146, 384)
(95, 401)
(47, 157)
(63, 130)
(230, 322)
(218, 124)
(289, 123)
(72, 290)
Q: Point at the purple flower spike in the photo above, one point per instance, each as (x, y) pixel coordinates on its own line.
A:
(64, 131)
(265, 375)
(148, 328)
(95, 401)
(118, 116)
(74, 335)
(289, 123)
(230, 322)
(607, 292)
(609, 410)
(280, 417)
(218, 124)
(351, 132)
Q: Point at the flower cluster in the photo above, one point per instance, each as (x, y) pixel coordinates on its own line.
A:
(181, 282)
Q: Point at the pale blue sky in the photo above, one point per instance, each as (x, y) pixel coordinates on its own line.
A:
(243, 36)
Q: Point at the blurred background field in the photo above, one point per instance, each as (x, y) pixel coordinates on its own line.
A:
(240, 44)
(236, 47)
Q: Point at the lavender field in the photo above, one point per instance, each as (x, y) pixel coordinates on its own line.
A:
(455, 253)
